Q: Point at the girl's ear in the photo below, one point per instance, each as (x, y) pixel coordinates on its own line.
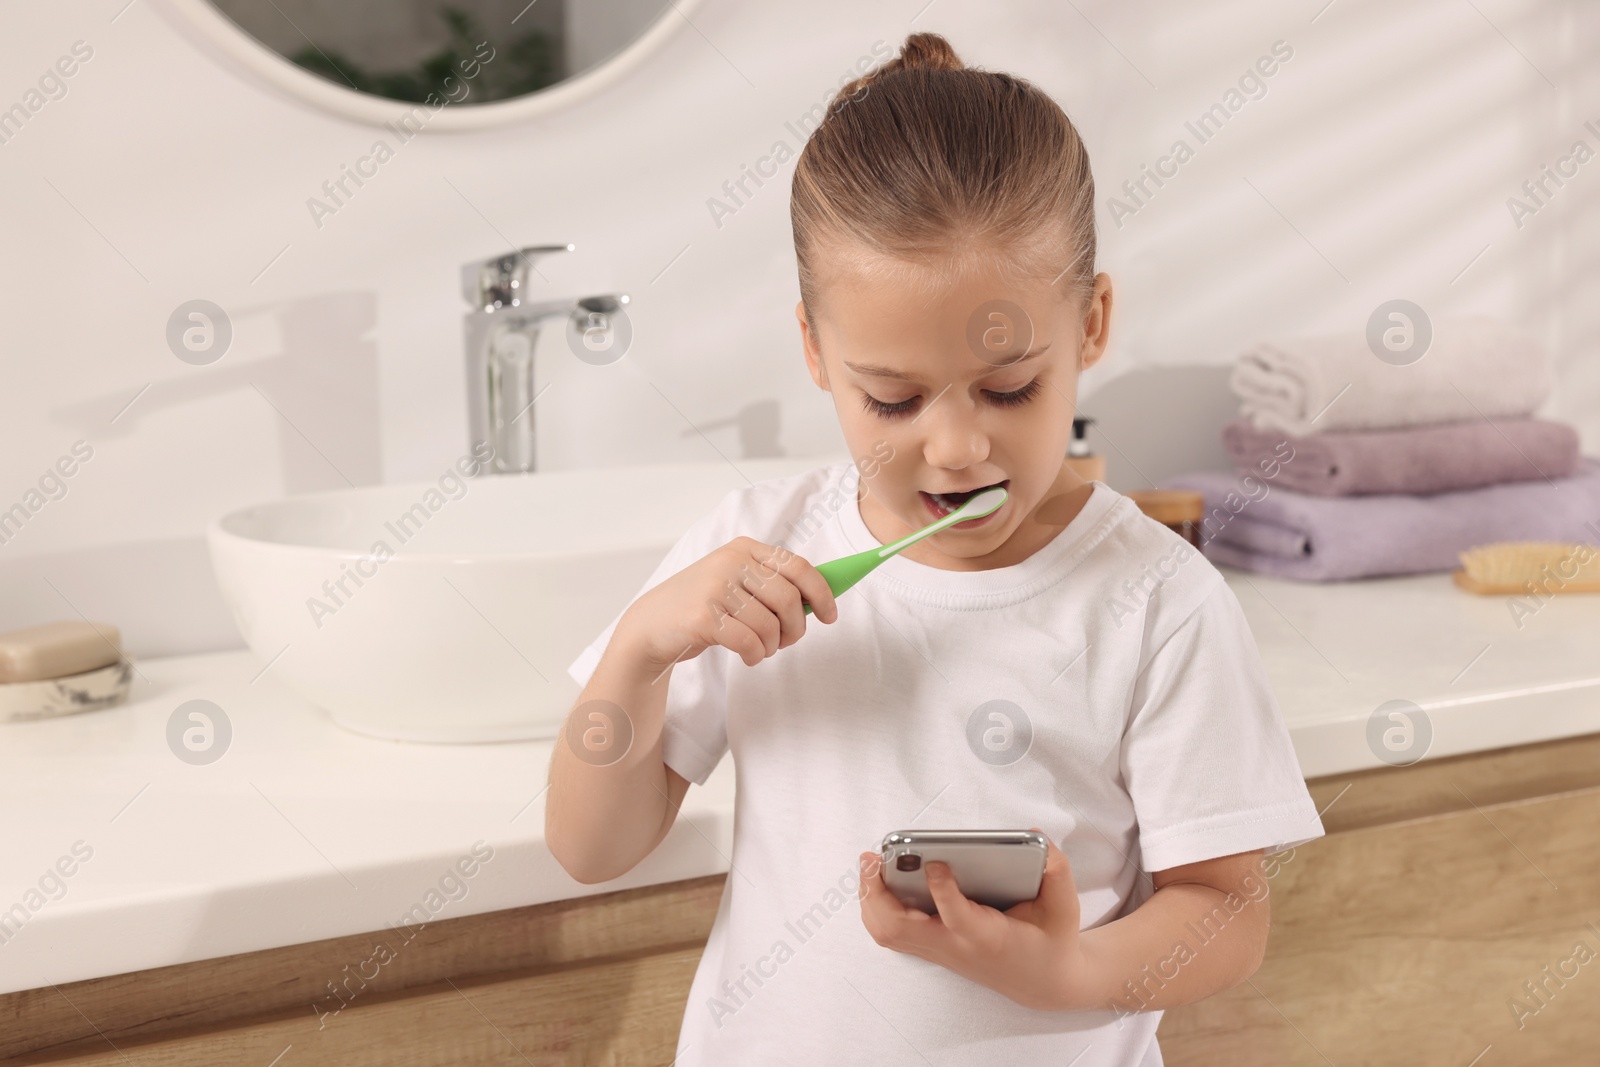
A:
(1096, 323)
(819, 373)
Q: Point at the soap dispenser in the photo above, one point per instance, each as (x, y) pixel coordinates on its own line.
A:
(1080, 457)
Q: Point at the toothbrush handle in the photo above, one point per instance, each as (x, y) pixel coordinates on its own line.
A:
(846, 571)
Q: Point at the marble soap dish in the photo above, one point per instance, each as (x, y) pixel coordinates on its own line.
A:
(49, 697)
(58, 668)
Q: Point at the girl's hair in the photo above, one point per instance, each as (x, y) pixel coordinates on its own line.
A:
(923, 158)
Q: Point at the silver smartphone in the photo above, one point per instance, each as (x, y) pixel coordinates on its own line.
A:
(999, 868)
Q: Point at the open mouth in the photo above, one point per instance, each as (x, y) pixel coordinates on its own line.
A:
(942, 504)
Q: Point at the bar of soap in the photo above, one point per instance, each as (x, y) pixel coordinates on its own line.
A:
(58, 649)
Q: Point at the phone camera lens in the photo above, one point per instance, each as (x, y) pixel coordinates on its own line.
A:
(908, 862)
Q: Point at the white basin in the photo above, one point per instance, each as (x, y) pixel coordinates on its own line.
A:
(464, 632)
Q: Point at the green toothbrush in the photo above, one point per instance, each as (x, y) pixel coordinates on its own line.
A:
(842, 573)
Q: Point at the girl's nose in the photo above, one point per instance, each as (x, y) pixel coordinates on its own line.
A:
(952, 438)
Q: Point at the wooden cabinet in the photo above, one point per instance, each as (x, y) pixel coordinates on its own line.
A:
(1443, 894)
(1438, 899)
(598, 980)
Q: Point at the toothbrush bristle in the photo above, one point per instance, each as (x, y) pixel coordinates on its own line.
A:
(986, 502)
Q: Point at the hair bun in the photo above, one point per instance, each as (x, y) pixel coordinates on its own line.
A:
(920, 51)
(927, 51)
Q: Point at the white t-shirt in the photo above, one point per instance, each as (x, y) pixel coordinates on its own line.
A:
(1136, 728)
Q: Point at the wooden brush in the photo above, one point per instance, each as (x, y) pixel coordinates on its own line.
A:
(1522, 568)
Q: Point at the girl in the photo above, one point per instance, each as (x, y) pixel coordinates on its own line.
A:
(1065, 664)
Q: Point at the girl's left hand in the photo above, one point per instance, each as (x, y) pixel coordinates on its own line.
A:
(1031, 953)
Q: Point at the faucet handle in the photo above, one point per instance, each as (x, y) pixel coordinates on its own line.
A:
(490, 284)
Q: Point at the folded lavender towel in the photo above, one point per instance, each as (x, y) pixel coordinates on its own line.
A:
(1425, 459)
(1254, 524)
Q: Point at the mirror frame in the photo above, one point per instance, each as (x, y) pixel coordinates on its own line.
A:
(241, 54)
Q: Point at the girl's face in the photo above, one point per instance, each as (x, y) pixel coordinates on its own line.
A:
(949, 383)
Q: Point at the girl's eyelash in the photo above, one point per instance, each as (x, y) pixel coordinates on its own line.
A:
(888, 411)
(1015, 398)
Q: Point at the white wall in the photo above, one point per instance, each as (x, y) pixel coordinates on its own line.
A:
(1383, 153)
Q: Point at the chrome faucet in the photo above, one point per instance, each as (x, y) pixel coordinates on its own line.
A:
(501, 333)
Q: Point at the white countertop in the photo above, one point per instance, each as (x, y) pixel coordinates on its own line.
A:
(303, 831)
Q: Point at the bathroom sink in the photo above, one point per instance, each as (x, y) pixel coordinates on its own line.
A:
(449, 611)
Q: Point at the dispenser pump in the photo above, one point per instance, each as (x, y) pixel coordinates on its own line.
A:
(1079, 445)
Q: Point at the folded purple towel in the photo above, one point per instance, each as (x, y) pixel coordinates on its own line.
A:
(1425, 459)
(1255, 524)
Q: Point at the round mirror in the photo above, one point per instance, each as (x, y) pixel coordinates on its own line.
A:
(472, 63)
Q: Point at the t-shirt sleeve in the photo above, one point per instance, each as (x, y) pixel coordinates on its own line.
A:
(694, 734)
(1206, 756)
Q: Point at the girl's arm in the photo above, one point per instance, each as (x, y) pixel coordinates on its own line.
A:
(612, 799)
(602, 817)
(1202, 931)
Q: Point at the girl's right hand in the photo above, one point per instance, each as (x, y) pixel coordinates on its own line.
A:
(746, 596)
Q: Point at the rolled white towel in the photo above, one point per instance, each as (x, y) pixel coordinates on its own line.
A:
(1474, 368)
